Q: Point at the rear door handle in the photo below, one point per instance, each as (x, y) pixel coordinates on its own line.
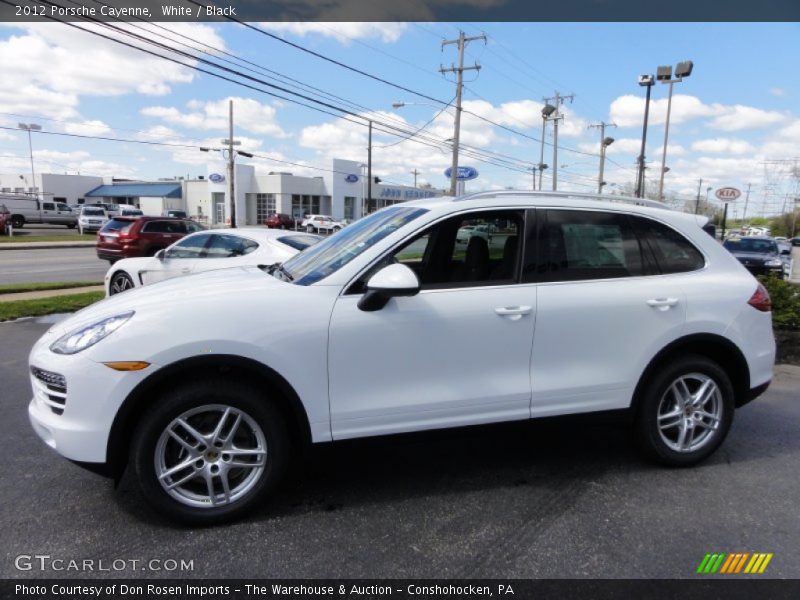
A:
(662, 303)
(513, 312)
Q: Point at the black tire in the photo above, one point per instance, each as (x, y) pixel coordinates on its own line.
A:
(71, 225)
(309, 229)
(692, 368)
(17, 221)
(120, 282)
(193, 395)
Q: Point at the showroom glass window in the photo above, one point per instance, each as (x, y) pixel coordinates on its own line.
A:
(265, 206)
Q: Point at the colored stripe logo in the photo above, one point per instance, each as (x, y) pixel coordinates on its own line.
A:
(737, 562)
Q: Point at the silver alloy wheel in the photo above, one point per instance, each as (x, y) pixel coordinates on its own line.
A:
(690, 412)
(120, 283)
(210, 456)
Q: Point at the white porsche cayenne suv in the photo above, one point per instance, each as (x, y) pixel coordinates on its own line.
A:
(206, 385)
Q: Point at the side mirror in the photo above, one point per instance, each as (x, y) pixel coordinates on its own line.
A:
(392, 280)
(786, 251)
(160, 254)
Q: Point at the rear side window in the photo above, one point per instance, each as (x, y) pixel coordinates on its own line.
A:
(578, 245)
(229, 246)
(165, 227)
(673, 253)
(120, 225)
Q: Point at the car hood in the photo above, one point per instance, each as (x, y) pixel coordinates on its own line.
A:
(178, 294)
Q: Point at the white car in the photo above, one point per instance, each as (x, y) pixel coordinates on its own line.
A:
(467, 231)
(207, 251)
(92, 218)
(208, 385)
(317, 223)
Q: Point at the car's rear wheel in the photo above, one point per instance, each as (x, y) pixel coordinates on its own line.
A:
(120, 282)
(685, 411)
(17, 221)
(309, 229)
(210, 451)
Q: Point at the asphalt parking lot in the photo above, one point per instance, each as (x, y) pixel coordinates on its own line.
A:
(554, 498)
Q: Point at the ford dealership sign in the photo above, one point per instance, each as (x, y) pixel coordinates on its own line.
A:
(463, 174)
(351, 178)
(216, 178)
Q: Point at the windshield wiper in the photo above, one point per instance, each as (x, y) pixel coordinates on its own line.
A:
(271, 269)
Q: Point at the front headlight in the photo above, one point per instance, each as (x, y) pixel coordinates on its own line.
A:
(80, 339)
(773, 262)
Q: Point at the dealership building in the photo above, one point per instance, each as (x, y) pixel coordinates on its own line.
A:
(339, 192)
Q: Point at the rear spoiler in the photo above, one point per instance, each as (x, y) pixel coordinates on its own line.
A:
(705, 225)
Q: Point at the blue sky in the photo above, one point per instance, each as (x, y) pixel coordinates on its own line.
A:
(738, 109)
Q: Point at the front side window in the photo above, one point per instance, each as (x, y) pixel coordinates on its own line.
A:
(48, 206)
(577, 245)
(470, 250)
(333, 253)
(189, 247)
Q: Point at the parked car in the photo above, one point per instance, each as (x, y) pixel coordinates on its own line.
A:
(279, 221)
(92, 218)
(465, 233)
(318, 223)
(129, 236)
(180, 214)
(29, 210)
(112, 210)
(130, 211)
(207, 251)
(759, 254)
(208, 385)
(5, 219)
(795, 241)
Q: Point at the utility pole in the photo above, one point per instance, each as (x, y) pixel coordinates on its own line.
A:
(32, 127)
(746, 198)
(697, 203)
(558, 100)
(369, 172)
(644, 81)
(533, 182)
(415, 173)
(462, 42)
(604, 143)
(230, 142)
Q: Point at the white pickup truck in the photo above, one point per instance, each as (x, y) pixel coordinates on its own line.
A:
(28, 210)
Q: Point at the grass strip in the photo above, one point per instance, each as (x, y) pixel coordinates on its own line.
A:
(16, 288)
(47, 306)
(19, 239)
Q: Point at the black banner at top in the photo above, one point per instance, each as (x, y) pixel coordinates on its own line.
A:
(403, 10)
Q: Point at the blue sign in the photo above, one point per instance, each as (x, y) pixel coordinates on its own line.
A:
(216, 178)
(351, 178)
(463, 174)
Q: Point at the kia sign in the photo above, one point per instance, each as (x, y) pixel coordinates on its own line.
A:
(351, 178)
(463, 173)
(216, 178)
(727, 194)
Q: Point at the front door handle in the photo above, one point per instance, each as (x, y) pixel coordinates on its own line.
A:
(513, 312)
(662, 303)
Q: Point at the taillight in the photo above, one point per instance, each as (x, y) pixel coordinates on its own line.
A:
(760, 299)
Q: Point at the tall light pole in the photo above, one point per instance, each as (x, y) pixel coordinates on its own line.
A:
(230, 143)
(664, 75)
(646, 81)
(605, 142)
(547, 110)
(462, 42)
(558, 100)
(31, 127)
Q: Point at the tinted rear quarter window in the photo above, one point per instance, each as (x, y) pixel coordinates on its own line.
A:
(673, 253)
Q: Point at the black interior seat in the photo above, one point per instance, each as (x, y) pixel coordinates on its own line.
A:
(476, 261)
(505, 270)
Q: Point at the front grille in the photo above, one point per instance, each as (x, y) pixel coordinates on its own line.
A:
(51, 388)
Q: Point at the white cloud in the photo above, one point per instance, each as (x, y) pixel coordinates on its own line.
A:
(342, 31)
(723, 146)
(50, 66)
(55, 161)
(776, 91)
(87, 128)
(628, 111)
(249, 115)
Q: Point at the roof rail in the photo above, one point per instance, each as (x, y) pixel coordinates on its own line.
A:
(604, 197)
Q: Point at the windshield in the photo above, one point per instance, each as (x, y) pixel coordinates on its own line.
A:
(93, 212)
(330, 255)
(749, 245)
(299, 242)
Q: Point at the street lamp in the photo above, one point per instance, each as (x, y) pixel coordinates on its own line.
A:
(31, 127)
(646, 81)
(547, 111)
(664, 75)
(607, 141)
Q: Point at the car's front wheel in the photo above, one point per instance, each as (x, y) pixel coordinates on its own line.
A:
(210, 451)
(685, 411)
(120, 282)
(309, 229)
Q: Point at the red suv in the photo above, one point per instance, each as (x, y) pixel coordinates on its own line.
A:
(125, 237)
(279, 221)
(5, 219)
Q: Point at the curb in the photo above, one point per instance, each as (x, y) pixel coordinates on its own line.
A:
(44, 245)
